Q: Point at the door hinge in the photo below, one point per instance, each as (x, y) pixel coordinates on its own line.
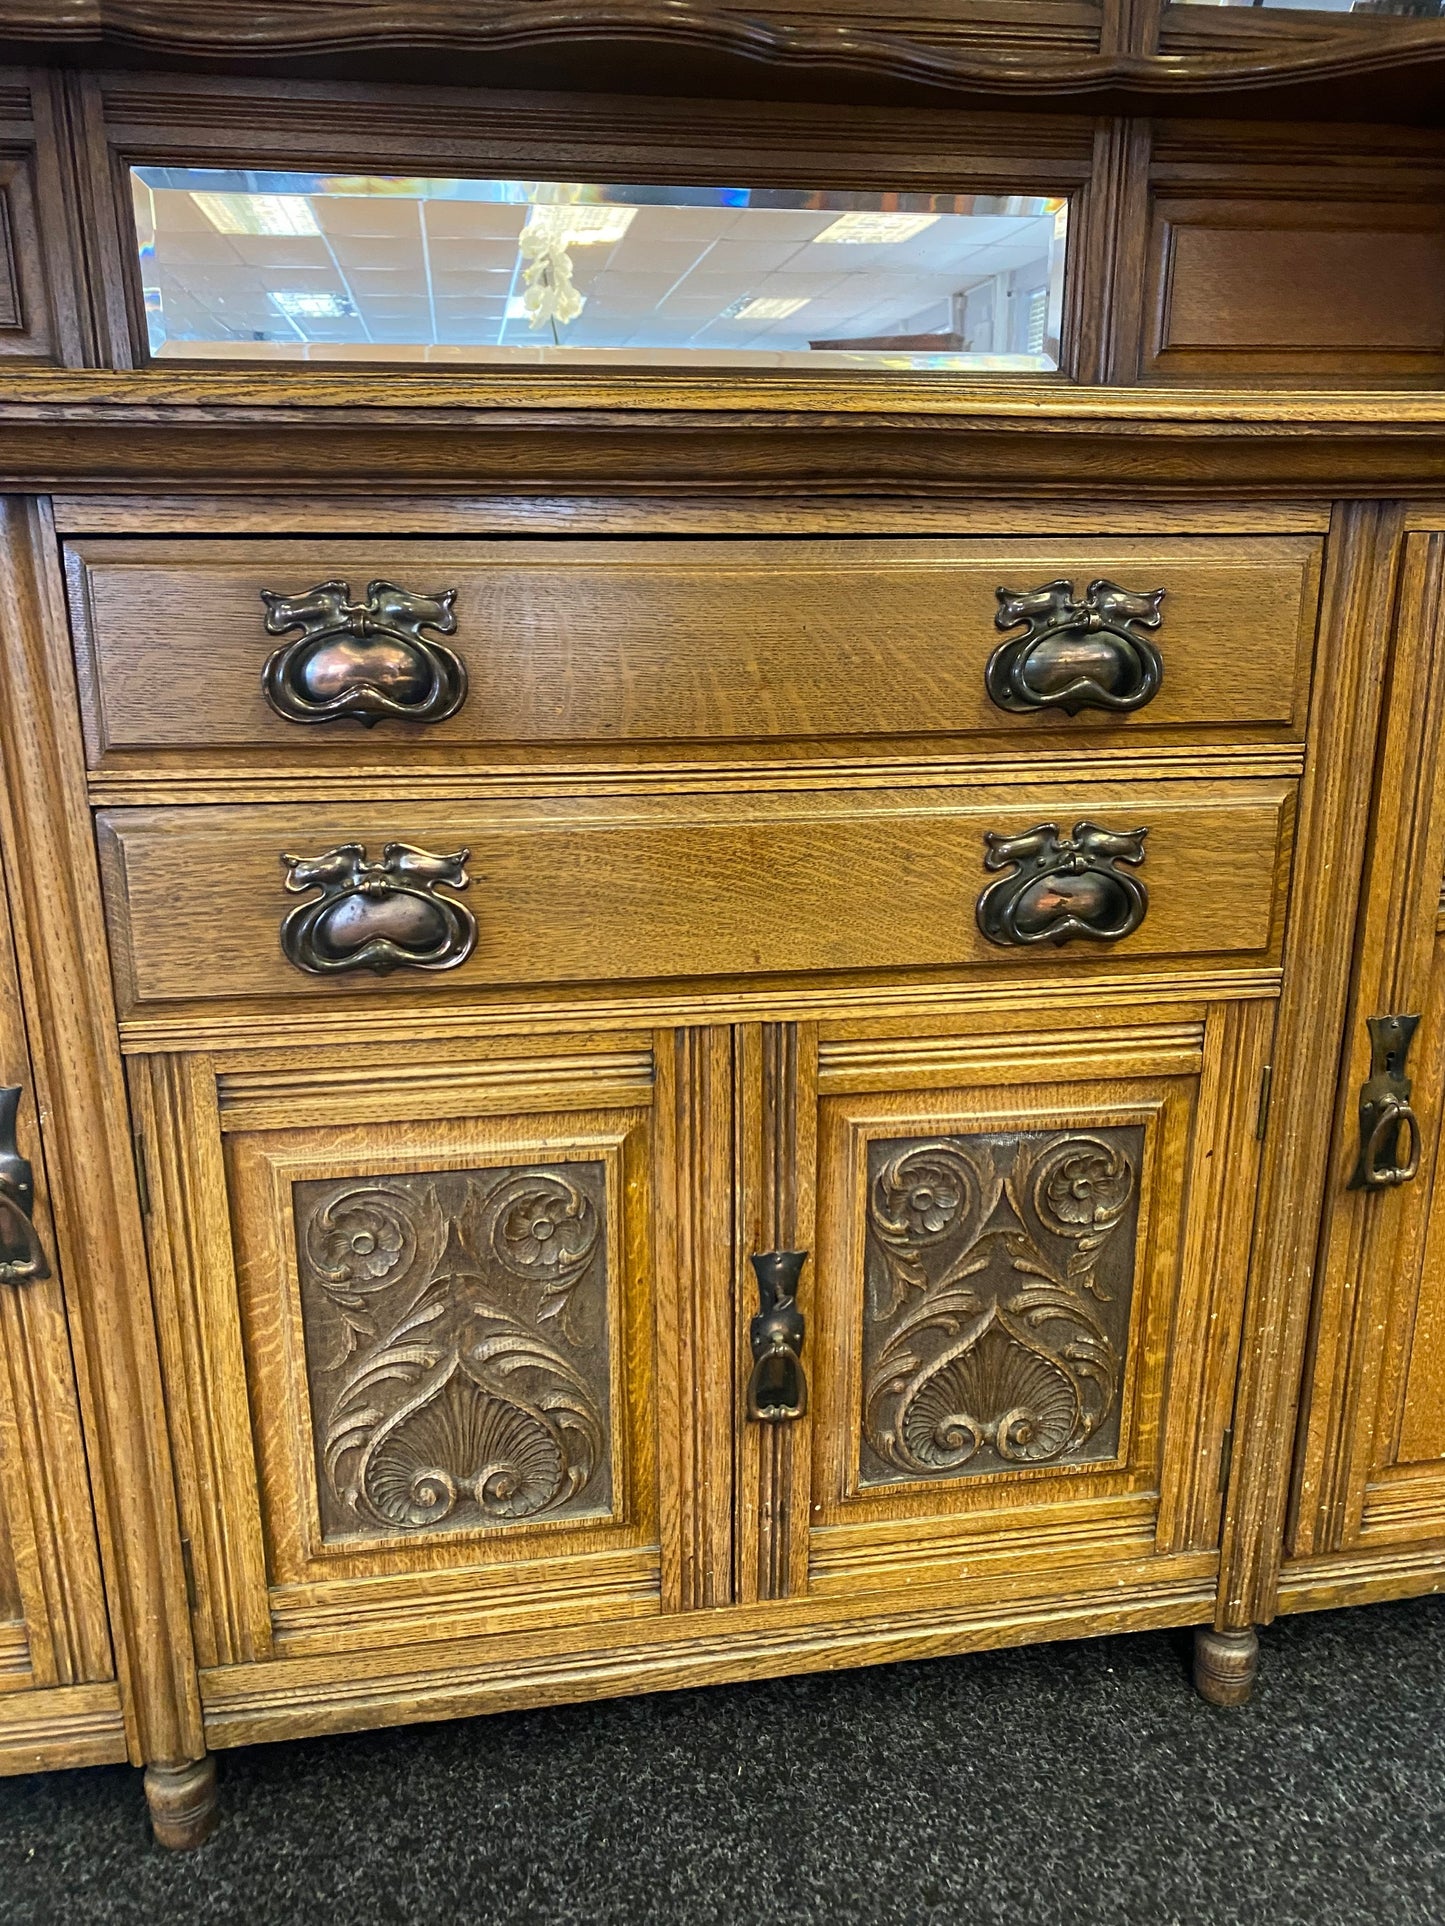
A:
(1261, 1121)
(1226, 1458)
(188, 1566)
(142, 1179)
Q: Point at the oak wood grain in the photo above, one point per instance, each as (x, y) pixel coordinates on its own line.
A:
(1337, 291)
(632, 642)
(1374, 1379)
(59, 933)
(1334, 812)
(249, 1704)
(725, 886)
(865, 1534)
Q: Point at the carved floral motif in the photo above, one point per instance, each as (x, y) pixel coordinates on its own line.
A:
(456, 1333)
(999, 1282)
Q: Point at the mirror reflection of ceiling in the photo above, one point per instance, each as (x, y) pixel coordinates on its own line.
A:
(1397, 9)
(324, 267)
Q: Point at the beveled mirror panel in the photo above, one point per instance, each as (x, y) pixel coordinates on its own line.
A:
(294, 266)
(1395, 9)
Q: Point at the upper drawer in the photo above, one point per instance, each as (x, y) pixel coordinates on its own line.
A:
(631, 890)
(604, 646)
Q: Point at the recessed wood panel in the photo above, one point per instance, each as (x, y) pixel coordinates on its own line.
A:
(25, 328)
(618, 643)
(12, 315)
(998, 1277)
(615, 889)
(1318, 290)
(423, 1369)
(1370, 1471)
(457, 1344)
(1029, 1276)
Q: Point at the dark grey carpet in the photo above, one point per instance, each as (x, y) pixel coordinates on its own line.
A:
(1072, 1785)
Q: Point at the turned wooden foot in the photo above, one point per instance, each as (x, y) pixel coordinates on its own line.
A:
(182, 1799)
(1225, 1664)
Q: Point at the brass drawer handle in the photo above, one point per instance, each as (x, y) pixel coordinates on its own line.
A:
(1062, 887)
(777, 1385)
(366, 660)
(1073, 655)
(377, 916)
(1385, 1113)
(22, 1257)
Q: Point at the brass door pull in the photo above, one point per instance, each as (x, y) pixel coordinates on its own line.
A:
(778, 1385)
(382, 916)
(1385, 1113)
(1059, 888)
(22, 1258)
(1093, 653)
(365, 661)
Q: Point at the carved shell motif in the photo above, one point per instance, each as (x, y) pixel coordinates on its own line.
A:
(1000, 1276)
(456, 1327)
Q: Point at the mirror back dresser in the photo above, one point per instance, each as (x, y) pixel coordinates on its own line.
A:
(723, 829)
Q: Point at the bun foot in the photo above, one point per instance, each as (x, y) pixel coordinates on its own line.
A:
(1225, 1664)
(182, 1801)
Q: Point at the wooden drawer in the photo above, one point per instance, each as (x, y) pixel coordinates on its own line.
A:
(614, 645)
(631, 889)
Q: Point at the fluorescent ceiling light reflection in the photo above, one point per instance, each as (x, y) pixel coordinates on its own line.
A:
(873, 230)
(582, 226)
(258, 213)
(303, 306)
(770, 307)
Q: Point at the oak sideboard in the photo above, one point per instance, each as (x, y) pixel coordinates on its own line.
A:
(723, 829)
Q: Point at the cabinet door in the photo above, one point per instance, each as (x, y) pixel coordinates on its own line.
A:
(1032, 1234)
(1369, 1498)
(58, 1701)
(419, 1369)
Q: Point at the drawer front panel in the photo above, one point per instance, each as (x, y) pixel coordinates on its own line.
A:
(598, 890)
(615, 643)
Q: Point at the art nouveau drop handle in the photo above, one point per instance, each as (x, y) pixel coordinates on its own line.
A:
(22, 1259)
(366, 660)
(1385, 1114)
(778, 1385)
(1074, 654)
(1059, 888)
(381, 916)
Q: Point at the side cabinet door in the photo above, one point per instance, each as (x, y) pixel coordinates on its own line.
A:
(1369, 1499)
(1031, 1243)
(416, 1370)
(58, 1701)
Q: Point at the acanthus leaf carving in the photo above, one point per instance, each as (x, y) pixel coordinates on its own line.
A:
(999, 1284)
(461, 1391)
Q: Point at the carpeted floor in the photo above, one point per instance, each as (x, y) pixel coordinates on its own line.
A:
(1067, 1785)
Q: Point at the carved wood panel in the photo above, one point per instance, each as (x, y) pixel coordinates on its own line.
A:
(424, 1377)
(457, 1346)
(1032, 1239)
(1000, 1275)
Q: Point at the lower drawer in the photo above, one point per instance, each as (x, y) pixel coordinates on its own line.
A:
(621, 889)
